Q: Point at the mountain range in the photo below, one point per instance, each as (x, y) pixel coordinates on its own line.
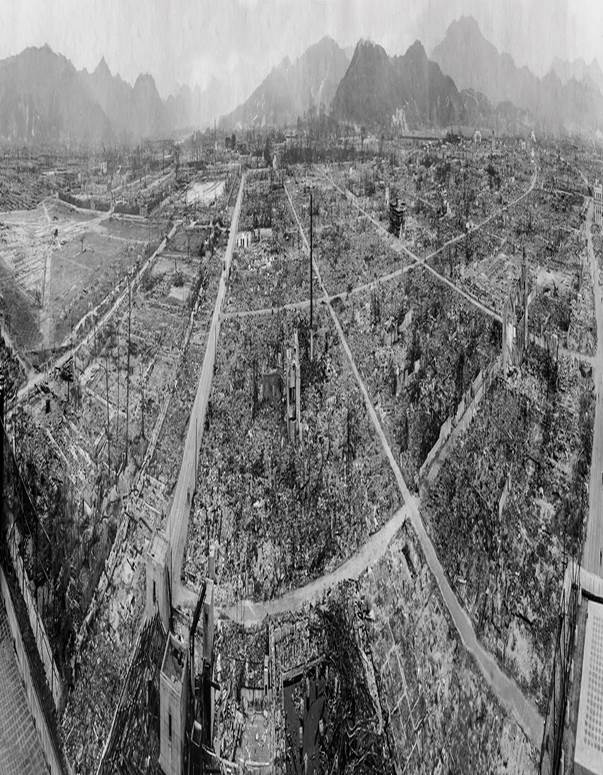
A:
(199, 107)
(133, 111)
(292, 89)
(410, 88)
(580, 71)
(44, 99)
(466, 81)
(474, 63)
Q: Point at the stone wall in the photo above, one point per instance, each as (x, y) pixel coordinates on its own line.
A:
(462, 417)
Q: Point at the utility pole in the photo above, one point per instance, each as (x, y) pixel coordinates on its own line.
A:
(1, 454)
(128, 370)
(141, 403)
(117, 415)
(311, 258)
(108, 421)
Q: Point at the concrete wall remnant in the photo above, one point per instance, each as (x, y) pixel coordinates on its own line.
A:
(158, 590)
(173, 699)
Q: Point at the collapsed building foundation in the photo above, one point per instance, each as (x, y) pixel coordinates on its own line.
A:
(167, 698)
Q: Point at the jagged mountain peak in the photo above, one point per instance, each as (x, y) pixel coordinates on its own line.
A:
(474, 63)
(43, 99)
(578, 69)
(293, 88)
(366, 45)
(416, 50)
(145, 81)
(467, 25)
(465, 33)
(378, 90)
(102, 68)
(326, 43)
(368, 51)
(39, 56)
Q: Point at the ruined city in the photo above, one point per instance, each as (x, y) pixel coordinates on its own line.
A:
(301, 389)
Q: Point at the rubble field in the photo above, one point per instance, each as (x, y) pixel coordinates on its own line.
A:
(284, 511)
(419, 346)
(509, 505)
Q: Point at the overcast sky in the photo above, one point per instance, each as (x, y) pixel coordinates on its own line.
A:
(188, 41)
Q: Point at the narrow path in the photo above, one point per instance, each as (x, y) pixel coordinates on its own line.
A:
(578, 356)
(371, 284)
(400, 248)
(45, 322)
(178, 518)
(592, 554)
(248, 612)
(37, 378)
(513, 699)
(264, 311)
(45, 318)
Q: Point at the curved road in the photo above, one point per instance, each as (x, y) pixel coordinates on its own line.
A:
(513, 699)
(417, 261)
(248, 612)
(178, 518)
(592, 556)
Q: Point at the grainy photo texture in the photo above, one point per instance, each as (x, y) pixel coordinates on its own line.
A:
(301, 399)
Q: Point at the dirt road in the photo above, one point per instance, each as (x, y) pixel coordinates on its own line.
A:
(509, 694)
(177, 522)
(592, 557)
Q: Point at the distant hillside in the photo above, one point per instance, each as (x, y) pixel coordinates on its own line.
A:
(199, 107)
(580, 71)
(43, 99)
(293, 89)
(134, 112)
(410, 90)
(474, 63)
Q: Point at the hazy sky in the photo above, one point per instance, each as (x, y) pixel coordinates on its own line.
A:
(188, 41)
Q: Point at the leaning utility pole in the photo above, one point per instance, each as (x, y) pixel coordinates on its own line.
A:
(108, 421)
(311, 257)
(128, 370)
(117, 415)
(1, 453)
(141, 403)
